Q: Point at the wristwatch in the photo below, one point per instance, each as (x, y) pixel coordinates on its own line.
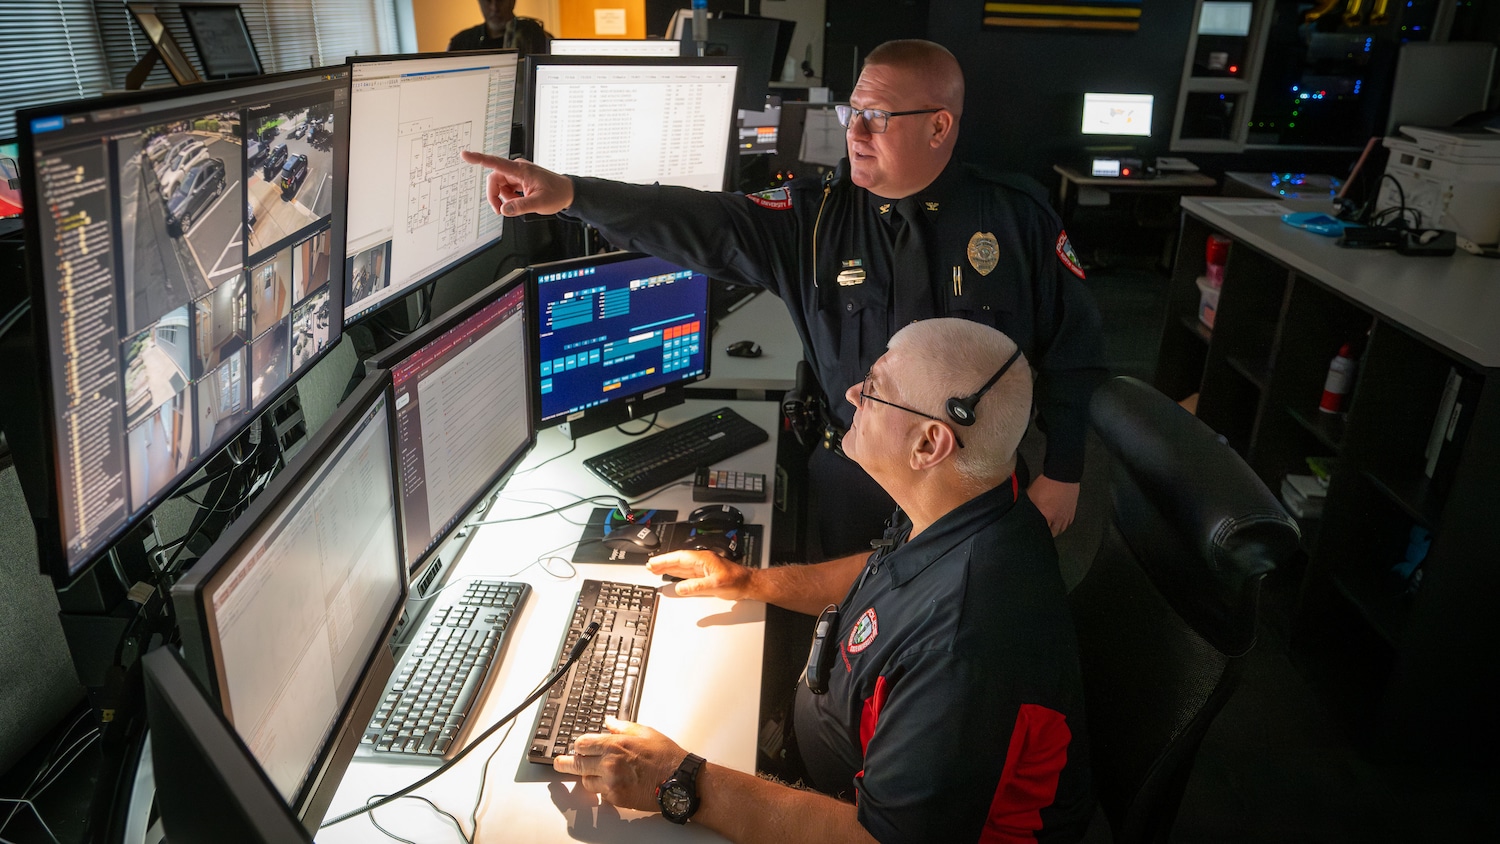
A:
(678, 794)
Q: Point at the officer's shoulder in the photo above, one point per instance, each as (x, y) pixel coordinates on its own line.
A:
(1018, 189)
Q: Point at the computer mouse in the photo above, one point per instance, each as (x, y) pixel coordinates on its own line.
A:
(743, 349)
(716, 517)
(724, 543)
(635, 540)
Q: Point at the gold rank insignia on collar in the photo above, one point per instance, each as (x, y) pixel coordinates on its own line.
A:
(984, 252)
(886, 208)
(931, 206)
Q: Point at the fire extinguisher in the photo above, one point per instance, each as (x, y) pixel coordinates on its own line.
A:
(1340, 377)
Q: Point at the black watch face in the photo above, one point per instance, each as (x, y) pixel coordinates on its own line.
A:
(675, 800)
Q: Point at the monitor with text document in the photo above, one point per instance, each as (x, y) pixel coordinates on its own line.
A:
(1117, 114)
(416, 209)
(617, 337)
(191, 244)
(285, 619)
(462, 405)
(641, 120)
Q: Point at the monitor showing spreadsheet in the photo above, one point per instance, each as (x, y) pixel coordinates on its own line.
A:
(416, 209)
(614, 47)
(639, 120)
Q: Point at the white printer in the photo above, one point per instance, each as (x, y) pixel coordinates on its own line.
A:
(1450, 178)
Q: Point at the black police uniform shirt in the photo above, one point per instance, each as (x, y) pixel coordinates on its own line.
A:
(954, 706)
(997, 255)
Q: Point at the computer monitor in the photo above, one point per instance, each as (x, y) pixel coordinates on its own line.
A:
(759, 129)
(753, 41)
(208, 786)
(463, 411)
(417, 210)
(285, 618)
(189, 248)
(1117, 114)
(614, 47)
(640, 120)
(617, 337)
(10, 179)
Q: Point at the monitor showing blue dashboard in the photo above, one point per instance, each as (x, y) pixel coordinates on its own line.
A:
(617, 336)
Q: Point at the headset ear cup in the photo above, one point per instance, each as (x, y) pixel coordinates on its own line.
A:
(961, 411)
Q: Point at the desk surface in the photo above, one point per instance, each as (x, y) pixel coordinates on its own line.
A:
(1451, 301)
(1170, 181)
(702, 683)
(765, 320)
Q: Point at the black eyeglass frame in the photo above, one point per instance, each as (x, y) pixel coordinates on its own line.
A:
(864, 395)
(846, 114)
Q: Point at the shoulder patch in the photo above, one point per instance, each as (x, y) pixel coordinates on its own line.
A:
(864, 631)
(1066, 254)
(776, 199)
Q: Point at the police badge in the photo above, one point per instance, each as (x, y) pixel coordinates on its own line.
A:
(984, 252)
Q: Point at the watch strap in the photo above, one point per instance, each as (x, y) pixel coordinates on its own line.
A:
(686, 778)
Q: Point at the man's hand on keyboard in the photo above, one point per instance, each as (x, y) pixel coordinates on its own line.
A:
(625, 765)
(704, 574)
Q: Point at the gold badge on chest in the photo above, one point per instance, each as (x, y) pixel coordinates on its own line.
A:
(984, 252)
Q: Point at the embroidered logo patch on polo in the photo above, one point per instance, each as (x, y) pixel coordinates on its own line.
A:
(776, 199)
(864, 632)
(1066, 254)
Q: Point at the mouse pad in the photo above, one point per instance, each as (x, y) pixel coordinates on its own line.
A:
(673, 536)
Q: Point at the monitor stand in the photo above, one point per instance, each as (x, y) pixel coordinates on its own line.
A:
(597, 419)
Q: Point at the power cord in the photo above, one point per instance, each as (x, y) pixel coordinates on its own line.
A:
(651, 423)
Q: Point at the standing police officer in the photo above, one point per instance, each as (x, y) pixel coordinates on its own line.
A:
(899, 232)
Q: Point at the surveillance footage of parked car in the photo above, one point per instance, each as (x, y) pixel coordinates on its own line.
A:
(289, 157)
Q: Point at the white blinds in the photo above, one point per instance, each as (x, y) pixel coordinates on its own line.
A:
(50, 51)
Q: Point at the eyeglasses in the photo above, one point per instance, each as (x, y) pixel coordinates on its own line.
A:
(875, 118)
(864, 393)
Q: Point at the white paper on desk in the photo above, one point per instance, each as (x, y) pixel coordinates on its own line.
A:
(1242, 208)
(823, 139)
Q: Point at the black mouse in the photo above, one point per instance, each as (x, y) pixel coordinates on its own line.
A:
(716, 517)
(743, 349)
(635, 540)
(726, 543)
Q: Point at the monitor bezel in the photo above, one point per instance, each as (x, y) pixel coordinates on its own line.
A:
(592, 419)
(731, 138)
(436, 275)
(52, 549)
(188, 592)
(388, 358)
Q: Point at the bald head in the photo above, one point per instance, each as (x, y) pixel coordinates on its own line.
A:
(929, 66)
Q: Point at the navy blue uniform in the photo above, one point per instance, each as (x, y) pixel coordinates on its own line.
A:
(954, 709)
(997, 255)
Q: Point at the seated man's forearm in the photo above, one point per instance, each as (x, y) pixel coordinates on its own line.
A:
(742, 807)
(810, 588)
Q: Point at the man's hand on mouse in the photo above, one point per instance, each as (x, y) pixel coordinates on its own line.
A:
(704, 574)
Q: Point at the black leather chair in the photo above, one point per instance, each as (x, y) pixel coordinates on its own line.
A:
(1168, 606)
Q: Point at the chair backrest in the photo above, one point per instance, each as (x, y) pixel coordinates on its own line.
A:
(1169, 603)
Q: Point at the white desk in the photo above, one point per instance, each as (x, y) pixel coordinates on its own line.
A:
(702, 676)
(765, 320)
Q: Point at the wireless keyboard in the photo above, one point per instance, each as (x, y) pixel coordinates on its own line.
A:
(429, 698)
(607, 679)
(677, 452)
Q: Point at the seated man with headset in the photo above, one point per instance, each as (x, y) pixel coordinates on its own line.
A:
(942, 699)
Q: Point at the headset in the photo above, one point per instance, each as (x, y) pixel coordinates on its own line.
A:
(961, 410)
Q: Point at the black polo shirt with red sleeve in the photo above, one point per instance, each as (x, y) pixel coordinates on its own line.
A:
(955, 706)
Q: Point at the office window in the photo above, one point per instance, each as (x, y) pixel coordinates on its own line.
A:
(51, 51)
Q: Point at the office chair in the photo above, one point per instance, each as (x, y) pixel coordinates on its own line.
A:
(1167, 610)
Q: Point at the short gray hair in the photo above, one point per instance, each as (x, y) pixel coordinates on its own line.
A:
(954, 357)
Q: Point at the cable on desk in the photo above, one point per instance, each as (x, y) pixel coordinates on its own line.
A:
(48, 763)
(468, 839)
(484, 773)
(571, 448)
(651, 423)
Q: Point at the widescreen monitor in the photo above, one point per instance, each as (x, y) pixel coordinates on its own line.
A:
(614, 47)
(417, 210)
(462, 406)
(1117, 114)
(10, 179)
(190, 267)
(617, 336)
(285, 618)
(641, 120)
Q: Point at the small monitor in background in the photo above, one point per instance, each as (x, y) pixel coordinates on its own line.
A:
(785, 29)
(417, 209)
(463, 411)
(617, 337)
(753, 41)
(223, 40)
(193, 241)
(1117, 114)
(10, 179)
(614, 47)
(759, 129)
(285, 618)
(1225, 18)
(641, 120)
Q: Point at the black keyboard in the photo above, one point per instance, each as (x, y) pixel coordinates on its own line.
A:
(677, 452)
(429, 697)
(607, 679)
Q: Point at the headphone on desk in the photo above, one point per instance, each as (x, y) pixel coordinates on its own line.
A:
(961, 410)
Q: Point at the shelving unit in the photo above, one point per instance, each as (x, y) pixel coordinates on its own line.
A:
(1414, 668)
